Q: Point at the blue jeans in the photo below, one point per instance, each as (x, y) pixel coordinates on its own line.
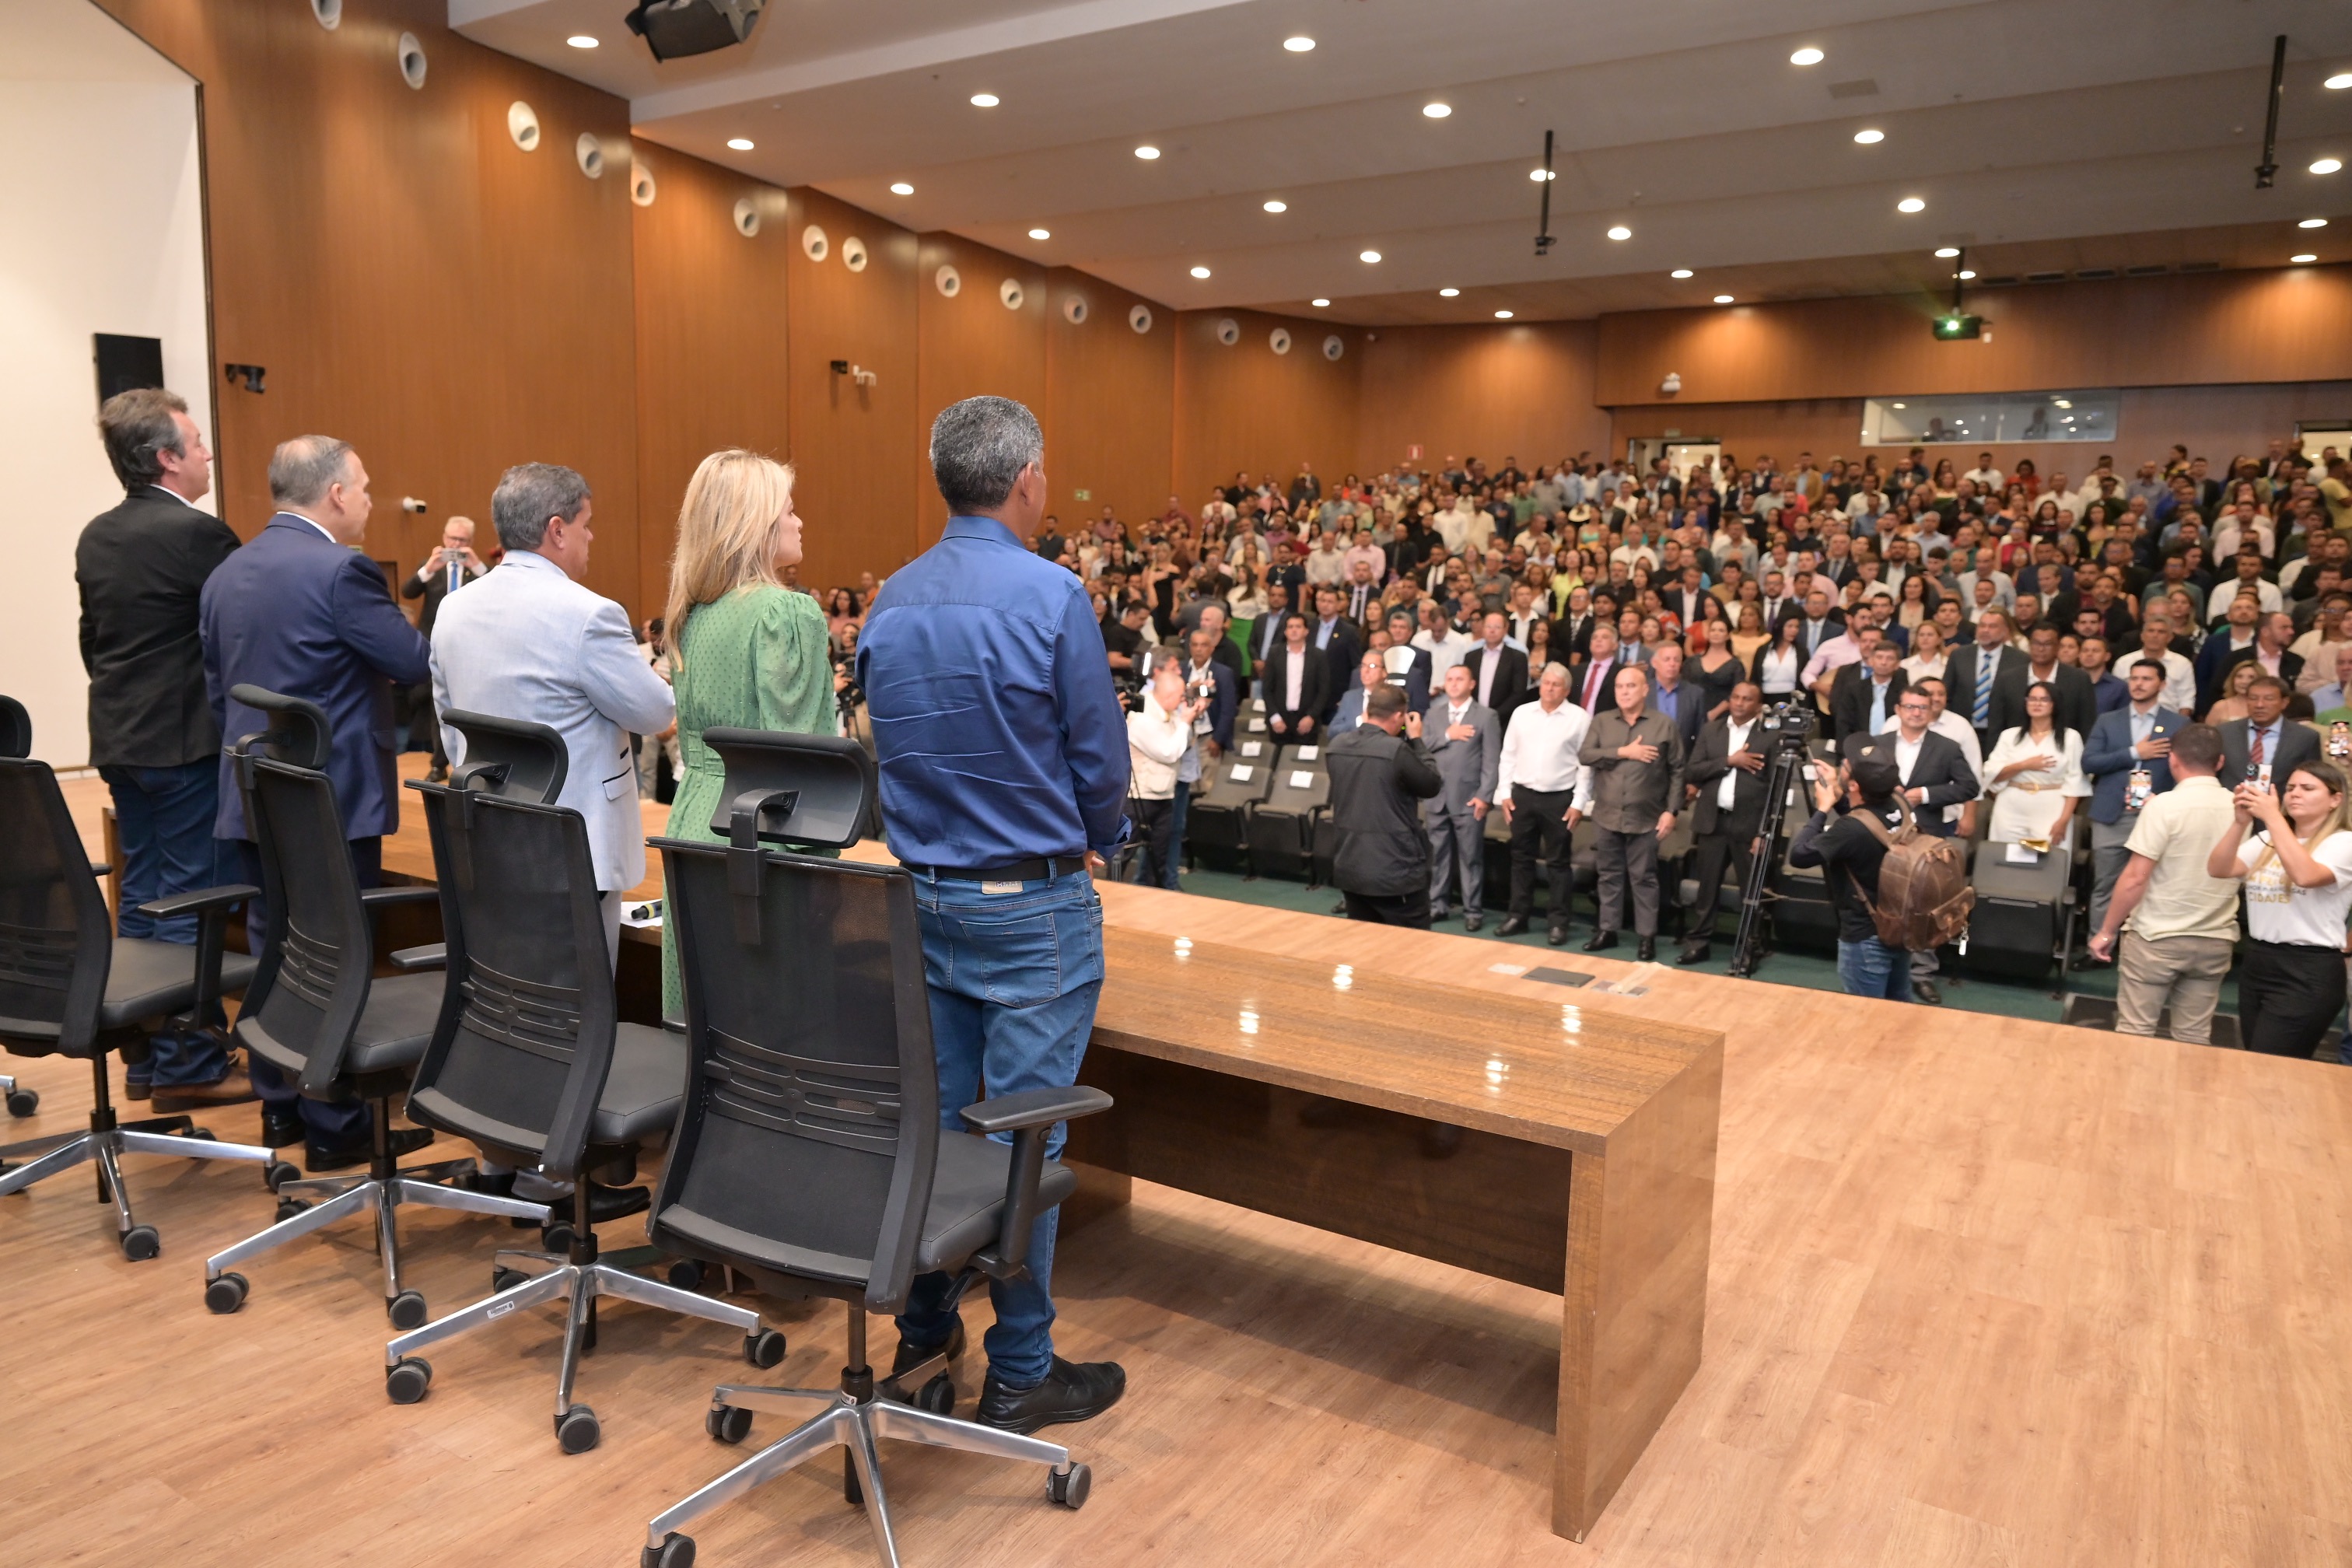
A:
(1871, 968)
(163, 829)
(1014, 979)
(1178, 808)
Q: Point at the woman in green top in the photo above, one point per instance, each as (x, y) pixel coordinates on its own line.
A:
(746, 652)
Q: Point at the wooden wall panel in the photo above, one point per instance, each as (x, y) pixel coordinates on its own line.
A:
(1480, 391)
(414, 282)
(1110, 402)
(972, 345)
(1246, 406)
(711, 317)
(2220, 327)
(851, 443)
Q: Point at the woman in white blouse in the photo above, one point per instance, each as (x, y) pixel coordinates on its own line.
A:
(2035, 775)
(1927, 657)
(2297, 868)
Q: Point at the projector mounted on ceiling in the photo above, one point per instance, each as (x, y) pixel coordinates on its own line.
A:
(674, 29)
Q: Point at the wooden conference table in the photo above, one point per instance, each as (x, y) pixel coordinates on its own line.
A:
(1307, 1088)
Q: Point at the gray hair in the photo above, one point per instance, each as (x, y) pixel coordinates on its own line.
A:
(135, 425)
(531, 493)
(1555, 668)
(979, 447)
(301, 469)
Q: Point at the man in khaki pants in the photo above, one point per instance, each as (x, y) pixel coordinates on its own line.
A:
(2180, 925)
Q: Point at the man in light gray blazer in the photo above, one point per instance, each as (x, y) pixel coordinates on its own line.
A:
(1465, 741)
(531, 641)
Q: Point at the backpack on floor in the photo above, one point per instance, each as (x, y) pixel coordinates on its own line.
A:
(1924, 897)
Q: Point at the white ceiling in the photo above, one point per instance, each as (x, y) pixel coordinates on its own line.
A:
(2044, 135)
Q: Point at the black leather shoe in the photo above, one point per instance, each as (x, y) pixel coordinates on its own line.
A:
(1513, 925)
(608, 1204)
(498, 1184)
(1071, 1392)
(1694, 952)
(1437, 915)
(1925, 990)
(911, 1354)
(1601, 941)
(1557, 936)
(1472, 923)
(1645, 949)
(282, 1129)
(321, 1158)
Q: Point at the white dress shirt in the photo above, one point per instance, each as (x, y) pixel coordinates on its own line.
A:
(1540, 751)
(1738, 734)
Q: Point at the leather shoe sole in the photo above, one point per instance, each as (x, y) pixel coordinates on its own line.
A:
(232, 1088)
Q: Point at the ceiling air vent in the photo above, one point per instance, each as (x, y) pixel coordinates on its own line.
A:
(2006, 281)
(2156, 270)
(1861, 87)
(2045, 278)
(2200, 267)
(2093, 274)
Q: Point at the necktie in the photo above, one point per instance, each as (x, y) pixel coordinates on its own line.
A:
(2255, 750)
(1984, 689)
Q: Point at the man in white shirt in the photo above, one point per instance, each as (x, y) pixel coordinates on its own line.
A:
(1984, 476)
(1437, 638)
(1326, 564)
(1544, 792)
(2179, 675)
(1727, 769)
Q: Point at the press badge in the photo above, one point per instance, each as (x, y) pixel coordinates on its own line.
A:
(2137, 789)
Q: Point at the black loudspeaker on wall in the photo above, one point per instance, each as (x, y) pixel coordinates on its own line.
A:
(124, 364)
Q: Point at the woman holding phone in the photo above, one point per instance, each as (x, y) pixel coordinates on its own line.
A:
(2296, 864)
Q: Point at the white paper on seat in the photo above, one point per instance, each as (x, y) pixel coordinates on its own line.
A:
(2021, 855)
(1257, 726)
(1252, 748)
(1308, 753)
(1242, 771)
(1303, 778)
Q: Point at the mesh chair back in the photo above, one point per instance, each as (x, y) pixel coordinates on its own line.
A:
(16, 728)
(511, 757)
(524, 1042)
(319, 951)
(55, 938)
(298, 736)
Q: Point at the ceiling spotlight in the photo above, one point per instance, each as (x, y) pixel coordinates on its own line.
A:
(1437, 111)
(1147, 152)
(1619, 231)
(1807, 55)
(1680, 272)
(581, 41)
(1870, 138)
(1502, 315)
(1540, 175)
(1200, 272)
(1948, 252)
(2326, 165)
(1911, 205)
(1966, 273)
(1277, 207)
(1369, 256)
(2303, 260)
(740, 143)
(1723, 299)
(2339, 81)
(1448, 294)
(1319, 304)
(1300, 45)
(983, 101)
(1041, 234)
(902, 189)
(2313, 223)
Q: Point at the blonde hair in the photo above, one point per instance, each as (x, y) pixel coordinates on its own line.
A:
(726, 536)
(2329, 778)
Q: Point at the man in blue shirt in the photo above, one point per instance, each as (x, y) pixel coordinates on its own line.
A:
(1003, 750)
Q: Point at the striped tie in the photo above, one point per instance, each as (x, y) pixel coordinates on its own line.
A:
(1984, 690)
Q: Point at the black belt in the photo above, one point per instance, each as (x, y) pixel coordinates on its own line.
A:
(1039, 870)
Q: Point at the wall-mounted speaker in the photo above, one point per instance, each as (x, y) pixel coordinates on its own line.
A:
(1073, 310)
(853, 254)
(1279, 340)
(329, 13)
(523, 125)
(1333, 348)
(747, 217)
(590, 152)
(1140, 317)
(1229, 331)
(411, 61)
(948, 281)
(814, 244)
(1011, 293)
(641, 183)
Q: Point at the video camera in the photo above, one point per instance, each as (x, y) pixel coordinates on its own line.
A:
(1788, 726)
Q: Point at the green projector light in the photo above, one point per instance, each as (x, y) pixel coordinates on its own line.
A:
(1958, 328)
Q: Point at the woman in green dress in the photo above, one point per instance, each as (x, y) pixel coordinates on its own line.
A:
(746, 652)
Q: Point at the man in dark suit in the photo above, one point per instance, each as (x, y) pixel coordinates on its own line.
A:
(1863, 696)
(2078, 703)
(1205, 675)
(1215, 621)
(301, 611)
(1411, 668)
(2127, 757)
(2272, 633)
(1380, 775)
(1684, 702)
(1972, 673)
(1499, 672)
(2265, 738)
(1935, 776)
(1337, 641)
(141, 568)
(1726, 774)
(1821, 622)
(1295, 685)
(1465, 744)
(1592, 679)
(450, 567)
(1266, 634)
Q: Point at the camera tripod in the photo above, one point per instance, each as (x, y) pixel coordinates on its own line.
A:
(1786, 770)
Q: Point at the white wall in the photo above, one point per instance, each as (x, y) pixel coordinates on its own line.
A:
(104, 233)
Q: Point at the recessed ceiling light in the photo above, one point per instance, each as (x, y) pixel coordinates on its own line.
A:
(1680, 272)
(1502, 315)
(2313, 223)
(2303, 260)
(1911, 205)
(740, 143)
(2326, 165)
(1897, 406)
(1147, 152)
(1200, 272)
(1319, 304)
(2062, 402)
(1448, 294)
(2339, 81)
(1966, 273)
(1619, 231)
(1437, 110)
(1807, 55)
(983, 101)
(581, 41)
(1948, 252)
(1542, 174)
(1041, 234)
(1369, 256)
(902, 189)
(1277, 207)
(1298, 45)
(1870, 138)
(1723, 299)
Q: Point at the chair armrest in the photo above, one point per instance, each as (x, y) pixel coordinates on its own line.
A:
(432, 955)
(674, 1025)
(100, 868)
(413, 893)
(1033, 1108)
(204, 900)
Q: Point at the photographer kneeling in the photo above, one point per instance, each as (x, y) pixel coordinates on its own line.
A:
(1837, 840)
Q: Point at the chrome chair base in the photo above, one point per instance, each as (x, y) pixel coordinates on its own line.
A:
(65, 1150)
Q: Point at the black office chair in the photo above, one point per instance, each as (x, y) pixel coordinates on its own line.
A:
(808, 1155)
(530, 1059)
(17, 740)
(318, 1014)
(69, 987)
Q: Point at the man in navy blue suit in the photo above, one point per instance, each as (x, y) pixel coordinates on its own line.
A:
(2127, 755)
(301, 612)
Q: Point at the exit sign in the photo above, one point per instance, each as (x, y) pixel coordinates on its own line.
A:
(1413, 453)
(1083, 495)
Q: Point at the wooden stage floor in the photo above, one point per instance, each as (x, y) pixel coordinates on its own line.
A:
(1983, 1291)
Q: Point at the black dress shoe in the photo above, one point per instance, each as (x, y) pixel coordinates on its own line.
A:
(321, 1158)
(1437, 915)
(498, 1184)
(1601, 941)
(1071, 1392)
(1694, 952)
(1925, 990)
(1557, 936)
(1472, 923)
(1645, 949)
(1513, 925)
(911, 1355)
(608, 1204)
(282, 1129)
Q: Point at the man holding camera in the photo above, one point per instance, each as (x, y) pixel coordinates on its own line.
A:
(1935, 776)
(1158, 741)
(1850, 855)
(1380, 775)
(450, 567)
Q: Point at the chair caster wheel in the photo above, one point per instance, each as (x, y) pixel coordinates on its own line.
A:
(1069, 1488)
(406, 1310)
(576, 1429)
(686, 1274)
(937, 1396)
(288, 1207)
(206, 1133)
(727, 1422)
(277, 1173)
(556, 1237)
(763, 1348)
(405, 1381)
(141, 1243)
(24, 1101)
(505, 1279)
(227, 1294)
(674, 1552)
